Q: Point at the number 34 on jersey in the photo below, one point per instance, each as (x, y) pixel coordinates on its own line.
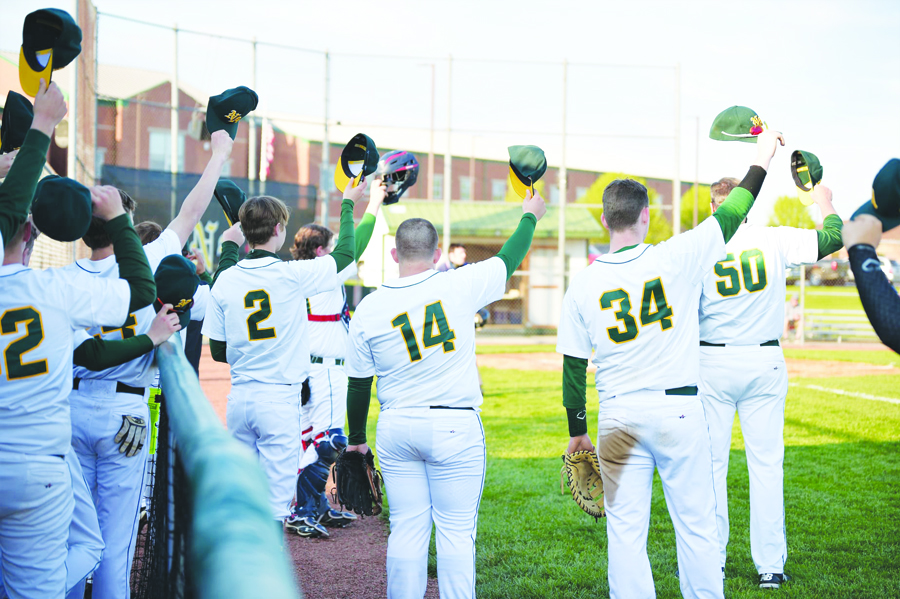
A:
(654, 308)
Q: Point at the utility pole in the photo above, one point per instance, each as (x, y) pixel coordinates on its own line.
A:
(429, 192)
(563, 188)
(324, 170)
(448, 160)
(173, 130)
(251, 122)
(697, 171)
(676, 180)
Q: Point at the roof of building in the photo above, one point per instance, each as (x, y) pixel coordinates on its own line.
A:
(493, 219)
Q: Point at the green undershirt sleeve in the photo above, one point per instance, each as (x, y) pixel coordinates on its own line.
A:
(829, 237)
(574, 394)
(132, 261)
(734, 209)
(100, 354)
(17, 191)
(227, 259)
(218, 350)
(364, 233)
(346, 244)
(359, 395)
(516, 247)
(206, 278)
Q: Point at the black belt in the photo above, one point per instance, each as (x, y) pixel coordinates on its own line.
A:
(686, 390)
(318, 360)
(120, 387)
(772, 343)
(448, 408)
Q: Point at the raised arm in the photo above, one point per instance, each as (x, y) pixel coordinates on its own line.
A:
(99, 354)
(516, 247)
(734, 209)
(196, 202)
(829, 238)
(367, 224)
(345, 250)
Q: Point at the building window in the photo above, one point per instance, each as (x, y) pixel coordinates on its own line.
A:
(465, 188)
(161, 150)
(437, 187)
(554, 194)
(580, 192)
(498, 190)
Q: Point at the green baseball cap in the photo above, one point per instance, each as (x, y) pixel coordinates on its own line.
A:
(227, 109)
(61, 208)
(231, 198)
(805, 169)
(737, 123)
(359, 158)
(527, 164)
(17, 116)
(50, 40)
(885, 202)
(176, 283)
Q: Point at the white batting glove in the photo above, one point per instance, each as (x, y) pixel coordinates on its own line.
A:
(131, 435)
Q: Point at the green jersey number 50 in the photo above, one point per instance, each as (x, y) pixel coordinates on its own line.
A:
(751, 276)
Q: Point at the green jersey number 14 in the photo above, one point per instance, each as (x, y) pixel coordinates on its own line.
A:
(434, 317)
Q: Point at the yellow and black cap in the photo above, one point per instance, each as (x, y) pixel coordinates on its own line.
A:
(737, 123)
(359, 158)
(885, 202)
(50, 40)
(227, 109)
(61, 208)
(805, 169)
(17, 116)
(527, 164)
(176, 283)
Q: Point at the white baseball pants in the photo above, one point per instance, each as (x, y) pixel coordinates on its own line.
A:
(266, 418)
(327, 406)
(638, 433)
(433, 462)
(751, 380)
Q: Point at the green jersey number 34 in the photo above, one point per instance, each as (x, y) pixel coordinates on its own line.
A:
(654, 308)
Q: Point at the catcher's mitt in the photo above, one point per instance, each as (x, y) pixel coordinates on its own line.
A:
(582, 472)
(357, 484)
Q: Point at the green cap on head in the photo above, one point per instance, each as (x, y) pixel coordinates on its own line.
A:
(885, 202)
(737, 123)
(359, 158)
(527, 164)
(50, 40)
(227, 109)
(805, 169)
(230, 198)
(61, 208)
(17, 116)
(176, 283)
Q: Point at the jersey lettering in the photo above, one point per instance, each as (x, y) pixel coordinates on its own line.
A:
(127, 329)
(434, 317)
(654, 308)
(616, 335)
(259, 296)
(34, 335)
(654, 299)
(409, 336)
(751, 276)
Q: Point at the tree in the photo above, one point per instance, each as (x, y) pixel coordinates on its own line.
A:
(511, 195)
(687, 207)
(789, 212)
(660, 227)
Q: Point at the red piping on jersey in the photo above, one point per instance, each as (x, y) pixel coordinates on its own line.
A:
(320, 317)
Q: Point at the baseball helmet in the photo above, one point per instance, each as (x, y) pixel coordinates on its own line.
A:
(399, 170)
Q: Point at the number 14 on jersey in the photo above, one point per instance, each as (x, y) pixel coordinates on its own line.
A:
(434, 317)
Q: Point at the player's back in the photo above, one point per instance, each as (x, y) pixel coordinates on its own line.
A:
(743, 295)
(637, 310)
(418, 334)
(40, 310)
(327, 327)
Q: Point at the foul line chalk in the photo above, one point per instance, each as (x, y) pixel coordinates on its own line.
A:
(849, 393)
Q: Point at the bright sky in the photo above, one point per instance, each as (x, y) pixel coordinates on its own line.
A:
(827, 74)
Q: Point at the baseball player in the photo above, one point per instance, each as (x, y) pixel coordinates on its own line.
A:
(742, 366)
(635, 307)
(109, 407)
(324, 395)
(253, 324)
(417, 334)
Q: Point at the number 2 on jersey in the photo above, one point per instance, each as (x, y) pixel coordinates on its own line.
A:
(654, 308)
(753, 269)
(434, 317)
(34, 335)
(254, 333)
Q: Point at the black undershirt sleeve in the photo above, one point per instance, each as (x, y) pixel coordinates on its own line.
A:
(878, 296)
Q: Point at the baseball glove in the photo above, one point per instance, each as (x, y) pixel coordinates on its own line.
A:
(357, 484)
(582, 472)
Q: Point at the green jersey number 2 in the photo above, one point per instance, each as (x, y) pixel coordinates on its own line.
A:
(261, 299)
(654, 308)
(434, 319)
(751, 276)
(13, 357)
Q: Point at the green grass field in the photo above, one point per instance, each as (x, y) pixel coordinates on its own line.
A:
(842, 497)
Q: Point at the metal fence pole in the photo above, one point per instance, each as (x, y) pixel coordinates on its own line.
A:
(251, 122)
(430, 191)
(324, 183)
(173, 128)
(563, 187)
(696, 173)
(448, 160)
(676, 179)
(801, 326)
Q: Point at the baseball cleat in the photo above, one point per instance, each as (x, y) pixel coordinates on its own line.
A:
(772, 581)
(304, 527)
(337, 519)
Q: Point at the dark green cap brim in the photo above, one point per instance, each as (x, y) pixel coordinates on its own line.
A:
(527, 164)
(62, 208)
(360, 149)
(886, 223)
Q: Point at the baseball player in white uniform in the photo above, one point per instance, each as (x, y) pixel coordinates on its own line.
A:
(742, 367)
(417, 334)
(635, 309)
(253, 322)
(109, 407)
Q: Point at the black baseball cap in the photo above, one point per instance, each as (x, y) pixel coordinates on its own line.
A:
(359, 158)
(885, 202)
(176, 283)
(229, 194)
(17, 116)
(61, 208)
(227, 109)
(50, 40)
(527, 164)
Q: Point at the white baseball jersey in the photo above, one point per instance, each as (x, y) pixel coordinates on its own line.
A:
(140, 371)
(417, 334)
(743, 295)
(329, 339)
(637, 310)
(258, 307)
(39, 311)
